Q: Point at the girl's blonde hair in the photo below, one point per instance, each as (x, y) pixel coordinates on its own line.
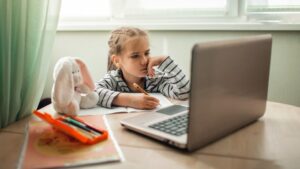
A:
(118, 39)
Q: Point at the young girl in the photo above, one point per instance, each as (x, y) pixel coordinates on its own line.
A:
(129, 62)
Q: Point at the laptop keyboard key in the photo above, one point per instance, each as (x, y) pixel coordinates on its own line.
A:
(176, 125)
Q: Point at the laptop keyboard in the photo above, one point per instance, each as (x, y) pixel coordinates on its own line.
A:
(175, 126)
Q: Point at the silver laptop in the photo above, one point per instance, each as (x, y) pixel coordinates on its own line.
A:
(229, 86)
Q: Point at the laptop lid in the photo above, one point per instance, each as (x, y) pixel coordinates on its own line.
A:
(229, 86)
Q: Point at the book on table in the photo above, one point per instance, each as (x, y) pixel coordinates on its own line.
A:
(47, 147)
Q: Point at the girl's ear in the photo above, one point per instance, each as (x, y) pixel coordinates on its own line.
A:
(115, 61)
(87, 78)
(63, 89)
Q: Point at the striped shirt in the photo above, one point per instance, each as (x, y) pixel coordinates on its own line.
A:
(169, 80)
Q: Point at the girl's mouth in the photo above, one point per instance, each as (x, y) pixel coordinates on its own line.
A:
(144, 69)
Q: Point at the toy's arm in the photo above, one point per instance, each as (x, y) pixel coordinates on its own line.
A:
(86, 76)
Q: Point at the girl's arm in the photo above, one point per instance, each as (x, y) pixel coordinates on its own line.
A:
(108, 96)
(106, 89)
(174, 83)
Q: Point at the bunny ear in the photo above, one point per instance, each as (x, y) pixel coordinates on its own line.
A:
(63, 89)
(87, 78)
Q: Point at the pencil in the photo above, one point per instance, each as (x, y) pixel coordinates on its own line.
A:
(81, 131)
(137, 87)
(140, 89)
(79, 125)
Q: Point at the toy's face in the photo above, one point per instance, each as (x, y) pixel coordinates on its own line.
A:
(76, 74)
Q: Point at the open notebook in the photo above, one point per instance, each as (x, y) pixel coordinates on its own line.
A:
(164, 102)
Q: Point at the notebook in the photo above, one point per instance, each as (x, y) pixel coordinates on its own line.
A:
(46, 147)
(229, 86)
(164, 102)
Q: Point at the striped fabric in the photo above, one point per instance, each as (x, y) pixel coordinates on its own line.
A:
(169, 80)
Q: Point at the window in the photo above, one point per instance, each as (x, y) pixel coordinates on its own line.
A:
(171, 8)
(273, 5)
(84, 9)
(183, 13)
(118, 9)
(287, 11)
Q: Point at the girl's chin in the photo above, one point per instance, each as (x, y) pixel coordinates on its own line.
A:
(140, 74)
(144, 73)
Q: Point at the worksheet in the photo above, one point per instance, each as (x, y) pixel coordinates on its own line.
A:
(164, 102)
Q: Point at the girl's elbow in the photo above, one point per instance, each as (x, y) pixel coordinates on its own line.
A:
(183, 96)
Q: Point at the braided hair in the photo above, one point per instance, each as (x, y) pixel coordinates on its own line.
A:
(118, 39)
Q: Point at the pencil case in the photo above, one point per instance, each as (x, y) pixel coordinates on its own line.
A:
(75, 127)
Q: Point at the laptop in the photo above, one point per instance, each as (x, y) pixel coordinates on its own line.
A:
(229, 88)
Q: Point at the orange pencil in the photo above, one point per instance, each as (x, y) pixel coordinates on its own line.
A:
(137, 87)
(140, 89)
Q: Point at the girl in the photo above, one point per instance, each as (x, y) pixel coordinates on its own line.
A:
(129, 62)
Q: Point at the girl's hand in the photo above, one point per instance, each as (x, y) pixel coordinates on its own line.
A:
(154, 61)
(142, 101)
(136, 100)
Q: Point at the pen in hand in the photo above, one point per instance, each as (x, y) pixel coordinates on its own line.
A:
(137, 87)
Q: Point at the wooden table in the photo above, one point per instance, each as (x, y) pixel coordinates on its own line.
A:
(271, 142)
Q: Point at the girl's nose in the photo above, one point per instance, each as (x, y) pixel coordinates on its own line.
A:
(145, 60)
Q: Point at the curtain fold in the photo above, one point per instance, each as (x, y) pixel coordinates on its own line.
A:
(27, 33)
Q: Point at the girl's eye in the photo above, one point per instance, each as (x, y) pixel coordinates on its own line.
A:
(134, 56)
(147, 53)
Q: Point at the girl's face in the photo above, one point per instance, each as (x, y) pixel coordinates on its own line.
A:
(134, 59)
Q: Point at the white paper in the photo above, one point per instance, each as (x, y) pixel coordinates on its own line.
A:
(164, 102)
(101, 110)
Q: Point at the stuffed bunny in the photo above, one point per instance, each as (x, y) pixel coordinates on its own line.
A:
(73, 86)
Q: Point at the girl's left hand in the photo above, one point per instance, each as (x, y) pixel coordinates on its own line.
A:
(154, 61)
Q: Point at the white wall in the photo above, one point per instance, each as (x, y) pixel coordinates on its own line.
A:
(92, 47)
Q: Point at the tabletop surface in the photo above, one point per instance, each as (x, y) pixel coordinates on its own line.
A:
(271, 142)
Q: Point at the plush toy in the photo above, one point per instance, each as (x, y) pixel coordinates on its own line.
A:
(73, 86)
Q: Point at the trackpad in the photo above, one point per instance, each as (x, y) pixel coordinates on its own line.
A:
(170, 110)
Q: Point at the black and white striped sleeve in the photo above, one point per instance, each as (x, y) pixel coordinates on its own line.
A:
(106, 89)
(175, 84)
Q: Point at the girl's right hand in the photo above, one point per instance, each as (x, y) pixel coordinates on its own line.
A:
(136, 100)
(142, 101)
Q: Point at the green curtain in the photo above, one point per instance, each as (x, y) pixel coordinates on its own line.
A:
(27, 33)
